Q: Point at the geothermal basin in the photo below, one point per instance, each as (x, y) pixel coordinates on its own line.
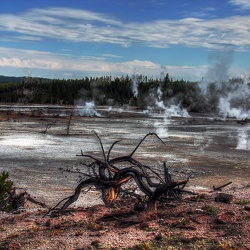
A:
(38, 142)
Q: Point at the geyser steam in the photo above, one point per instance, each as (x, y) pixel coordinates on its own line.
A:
(161, 127)
(235, 101)
(230, 97)
(88, 109)
(243, 139)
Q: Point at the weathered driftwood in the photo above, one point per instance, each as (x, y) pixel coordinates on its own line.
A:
(109, 177)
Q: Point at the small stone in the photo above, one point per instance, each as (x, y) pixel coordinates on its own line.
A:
(144, 225)
(161, 220)
(226, 198)
(225, 217)
(28, 220)
(139, 207)
(95, 243)
(247, 208)
(101, 232)
(48, 223)
(158, 236)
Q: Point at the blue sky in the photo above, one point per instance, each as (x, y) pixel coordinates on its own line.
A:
(77, 38)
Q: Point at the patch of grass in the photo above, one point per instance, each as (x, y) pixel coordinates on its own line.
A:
(210, 210)
(204, 244)
(183, 221)
(242, 202)
(79, 224)
(78, 233)
(201, 198)
(228, 245)
(146, 245)
(94, 226)
(173, 241)
(97, 245)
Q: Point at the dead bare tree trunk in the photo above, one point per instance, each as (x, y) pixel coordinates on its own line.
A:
(108, 176)
(69, 121)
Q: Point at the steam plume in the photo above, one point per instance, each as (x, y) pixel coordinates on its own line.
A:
(88, 109)
(161, 127)
(235, 101)
(243, 139)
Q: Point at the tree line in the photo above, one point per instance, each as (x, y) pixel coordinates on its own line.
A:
(136, 90)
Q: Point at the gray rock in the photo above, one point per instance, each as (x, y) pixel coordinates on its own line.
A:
(226, 198)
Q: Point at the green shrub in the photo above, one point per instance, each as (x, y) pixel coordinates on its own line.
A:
(6, 189)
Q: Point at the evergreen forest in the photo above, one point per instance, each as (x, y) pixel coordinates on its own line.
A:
(137, 90)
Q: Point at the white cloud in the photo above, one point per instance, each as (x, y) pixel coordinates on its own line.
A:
(244, 4)
(33, 60)
(111, 56)
(85, 26)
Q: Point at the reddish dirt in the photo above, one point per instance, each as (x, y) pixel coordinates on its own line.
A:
(196, 222)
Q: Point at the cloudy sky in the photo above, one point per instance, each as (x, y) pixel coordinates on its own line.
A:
(78, 38)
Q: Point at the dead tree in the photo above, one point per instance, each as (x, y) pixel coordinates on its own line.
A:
(220, 187)
(47, 128)
(108, 176)
(69, 121)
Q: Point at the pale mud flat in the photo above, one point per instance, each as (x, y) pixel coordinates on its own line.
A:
(34, 147)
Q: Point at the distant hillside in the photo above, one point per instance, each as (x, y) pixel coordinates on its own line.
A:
(11, 79)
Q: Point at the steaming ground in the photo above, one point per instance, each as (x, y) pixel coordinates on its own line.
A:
(34, 147)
